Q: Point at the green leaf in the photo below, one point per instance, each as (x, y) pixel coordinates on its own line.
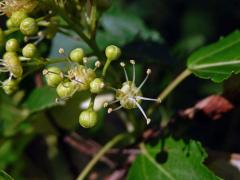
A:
(120, 26)
(11, 116)
(40, 99)
(217, 61)
(171, 160)
(5, 176)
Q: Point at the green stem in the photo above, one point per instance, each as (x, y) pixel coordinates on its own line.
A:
(174, 84)
(10, 31)
(170, 88)
(38, 64)
(98, 156)
(55, 60)
(91, 103)
(91, 43)
(93, 18)
(48, 61)
(44, 23)
(108, 62)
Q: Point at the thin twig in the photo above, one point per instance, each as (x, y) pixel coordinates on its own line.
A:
(170, 88)
(86, 150)
(98, 156)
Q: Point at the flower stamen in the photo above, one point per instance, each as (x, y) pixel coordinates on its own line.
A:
(148, 72)
(97, 65)
(125, 72)
(115, 109)
(133, 63)
(106, 104)
(146, 99)
(141, 109)
(40, 36)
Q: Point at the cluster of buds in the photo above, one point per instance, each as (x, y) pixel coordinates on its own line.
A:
(13, 60)
(11, 64)
(79, 77)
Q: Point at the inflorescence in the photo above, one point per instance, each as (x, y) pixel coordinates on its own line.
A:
(78, 77)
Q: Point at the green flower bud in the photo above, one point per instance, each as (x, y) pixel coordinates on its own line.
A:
(17, 17)
(88, 118)
(10, 86)
(29, 27)
(97, 85)
(8, 55)
(2, 37)
(65, 89)
(13, 64)
(29, 50)
(53, 76)
(77, 55)
(9, 23)
(12, 45)
(112, 52)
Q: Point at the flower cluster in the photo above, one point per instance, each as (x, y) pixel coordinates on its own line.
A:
(15, 56)
(79, 77)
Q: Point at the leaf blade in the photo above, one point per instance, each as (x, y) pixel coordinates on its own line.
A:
(218, 60)
(147, 165)
(40, 99)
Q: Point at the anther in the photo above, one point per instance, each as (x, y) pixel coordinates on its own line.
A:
(40, 38)
(149, 71)
(40, 34)
(85, 60)
(148, 120)
(61, 51)
(45, 72)
(110, 110)
(60, 101)
(144, 81)
(125, 72)
(105, 105)
(97, 64)
(122, 64)
(132, 61)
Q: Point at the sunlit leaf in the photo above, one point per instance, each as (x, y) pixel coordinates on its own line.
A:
(217, 61)
(171, 160)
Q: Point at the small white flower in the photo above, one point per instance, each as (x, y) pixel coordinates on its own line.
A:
(129, 95)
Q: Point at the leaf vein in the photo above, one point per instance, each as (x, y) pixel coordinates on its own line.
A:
(217, 50)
